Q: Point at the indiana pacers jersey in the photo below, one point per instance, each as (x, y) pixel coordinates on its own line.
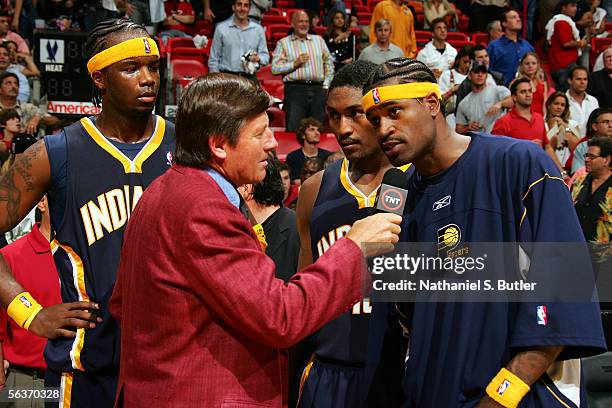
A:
(102, 187)
(337, 206)
(499, 190)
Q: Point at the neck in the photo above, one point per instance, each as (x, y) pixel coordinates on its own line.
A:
(478, 88)
(8, 101)
(524, 111)
(241, 22)
(512, 35)
(310, 149)
(577, 95)
(261, 212)
(602, 174)
(300, 36)
(444, 152)
(115, 124)
(383, 45)
(45, 225)
(372, 166)
(438, 43)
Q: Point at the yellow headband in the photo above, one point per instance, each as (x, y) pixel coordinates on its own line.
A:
(136, 47)
(403, 91)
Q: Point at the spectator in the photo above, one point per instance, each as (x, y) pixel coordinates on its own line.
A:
(506, 52)
(565, 43)
(340, 41)
(258, 8)
(308, 135)
(311, 166)
(599, 124)
(600, 82)
(8, 35)
(21, 62)
(592, 194)
(479, 110)
(450, 81)
(562, 132)
(90, 13)
(402, 21)
(265, 202)
(530, 68)
(218, 10)
(32, 266)
(437, 54)
(484, 11)
(31, 115)
(179, 15)
(291, 190)
(599, 20)
(580, 102)
(236, 37)
(307, 66)
(382, 49)
(10, 124)
(599, 62)
(494, 29)
(337, 6)
(435, 9)
(6, 66)
(521, 123)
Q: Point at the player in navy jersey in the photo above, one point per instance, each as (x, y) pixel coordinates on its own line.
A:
(480, 188)
(329, 203)
(94, 173)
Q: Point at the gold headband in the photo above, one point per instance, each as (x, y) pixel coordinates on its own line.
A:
(403, 91)
(136, 47)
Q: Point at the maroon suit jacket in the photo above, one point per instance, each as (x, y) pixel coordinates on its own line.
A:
(204, 322)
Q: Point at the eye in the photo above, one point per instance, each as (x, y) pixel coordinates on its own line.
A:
(375, 121)
(394, 112)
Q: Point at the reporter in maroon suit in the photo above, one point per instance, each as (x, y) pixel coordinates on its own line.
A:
(204, 321)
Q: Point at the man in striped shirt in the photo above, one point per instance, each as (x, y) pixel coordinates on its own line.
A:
(307, 68)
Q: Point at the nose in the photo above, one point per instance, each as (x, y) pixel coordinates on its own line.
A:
(345, 128)
(147, 77)
(386, 128)
(270, 142)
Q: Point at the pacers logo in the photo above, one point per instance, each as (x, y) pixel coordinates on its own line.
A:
(449, 237)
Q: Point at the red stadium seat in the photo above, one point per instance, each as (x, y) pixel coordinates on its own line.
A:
(277, 117)
(360, 8)
(268, 19)
(459, 43)
(372, 4)
(286, 144)
(265, 74)
(453, 35)
(274, 11)
(464, 22)
(187, 53)
(273, 31)
(598, 45)
(422, 37)
(480, 38)
(179, 42)
(202, 27)
(329, 142)
(275, 87)
(285, 4)
(183, 72)
(364, 18)
(320, 30)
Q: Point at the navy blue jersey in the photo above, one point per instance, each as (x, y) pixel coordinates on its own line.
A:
(337, 206)
(499, 190)
(102, 188)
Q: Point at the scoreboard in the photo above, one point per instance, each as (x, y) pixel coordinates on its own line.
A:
(64, 77)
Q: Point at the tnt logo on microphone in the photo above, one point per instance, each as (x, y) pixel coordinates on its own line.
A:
(391, 199)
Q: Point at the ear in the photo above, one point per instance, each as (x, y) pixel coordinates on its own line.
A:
(432, 102)
(218, 147)
(99, 80)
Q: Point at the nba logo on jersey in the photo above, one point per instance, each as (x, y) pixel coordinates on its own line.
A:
(542, 318)
(169, 158)
(147, 46)
(376, 96)
(503, 387)
(25, 301)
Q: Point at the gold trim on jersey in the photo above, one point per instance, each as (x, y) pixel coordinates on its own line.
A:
(78, 276)
(363, 201)
(129, 166)
(555, 395)
(546, 175)
(65, 390)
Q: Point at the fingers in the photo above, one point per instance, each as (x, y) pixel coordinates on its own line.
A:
(82, 306)
(65, 333)
(78, 323)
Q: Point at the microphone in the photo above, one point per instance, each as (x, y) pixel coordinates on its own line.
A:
(392, 194)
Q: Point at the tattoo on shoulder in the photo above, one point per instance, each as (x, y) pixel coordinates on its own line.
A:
(23, 165)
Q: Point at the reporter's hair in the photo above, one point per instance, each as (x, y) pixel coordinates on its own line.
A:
(353, 75)
(98, 40)
(215, 105)
(303, 125)
(514, 85)
(604, 143)
(403, 70)
(270, 191)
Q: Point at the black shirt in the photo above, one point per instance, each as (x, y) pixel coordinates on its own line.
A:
(587, 206)
(600, 85)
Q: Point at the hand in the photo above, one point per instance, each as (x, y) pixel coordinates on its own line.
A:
(208, 14)
(255, 57)
(436, 73)
(342, 37)
(494, 109)
(347, 61)
(382, 228)
(32, 125)
(54, 321)
(475, 126)
(301, 60)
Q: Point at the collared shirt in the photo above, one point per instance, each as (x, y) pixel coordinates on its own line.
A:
(515, 125)
(505, 56)
(580, 111)
(402, 21)
(228, 189)
(320, 66)
(231, 42)
(594, 208)
(475, 105)
(26, 112)
(377, 55)
(431, 57)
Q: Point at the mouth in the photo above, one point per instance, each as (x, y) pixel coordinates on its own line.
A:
(147, 97)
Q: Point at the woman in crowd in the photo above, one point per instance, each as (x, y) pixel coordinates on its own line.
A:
(561, 130)
(340, 41)
(530, 68)
(438, 9)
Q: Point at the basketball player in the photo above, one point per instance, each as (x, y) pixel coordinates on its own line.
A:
(479, 188)
(329, 203)
(94, 172)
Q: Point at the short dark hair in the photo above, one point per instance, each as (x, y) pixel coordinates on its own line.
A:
(593, 118)
(214, 105)
(405, 70)
(604, 143)
(317, 162)
(270, 191)
(577, 68)
(504, 17)
(436, 21)
(477, 47)
(283, 167)
(303, 125)
(353, 75)
(7, 74)
(466, 50)
(8, 114)
(514, 85)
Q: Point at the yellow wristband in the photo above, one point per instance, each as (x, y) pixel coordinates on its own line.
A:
(507, 389)
(23, 309)
(261, 236)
